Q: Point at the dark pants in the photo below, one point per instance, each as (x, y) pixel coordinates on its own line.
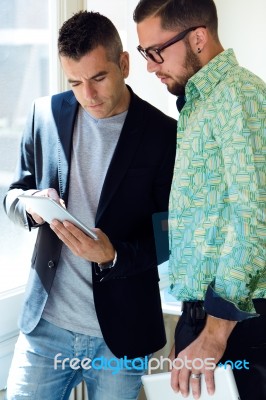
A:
(246, 342)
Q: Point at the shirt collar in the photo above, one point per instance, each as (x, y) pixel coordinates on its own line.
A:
(203, 82)
(180, 102)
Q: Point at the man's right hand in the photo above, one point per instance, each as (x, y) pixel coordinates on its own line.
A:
(52, 193)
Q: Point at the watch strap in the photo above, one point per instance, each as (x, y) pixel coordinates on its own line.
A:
(109, 264)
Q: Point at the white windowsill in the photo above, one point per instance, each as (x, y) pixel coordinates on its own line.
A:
(10, 303)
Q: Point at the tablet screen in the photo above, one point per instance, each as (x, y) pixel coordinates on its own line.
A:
(49, 209)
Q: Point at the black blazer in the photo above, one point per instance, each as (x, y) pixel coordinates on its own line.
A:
(137, 185)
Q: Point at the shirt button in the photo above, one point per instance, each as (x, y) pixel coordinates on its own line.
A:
(50, 264)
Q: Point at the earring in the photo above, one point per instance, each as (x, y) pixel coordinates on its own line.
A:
(199, 50)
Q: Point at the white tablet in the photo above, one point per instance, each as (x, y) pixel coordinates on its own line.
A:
(49, 209)
(158, 387)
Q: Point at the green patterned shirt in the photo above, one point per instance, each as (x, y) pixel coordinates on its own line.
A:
(217, 208)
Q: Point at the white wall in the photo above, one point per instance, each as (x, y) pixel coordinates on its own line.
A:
(241, 26)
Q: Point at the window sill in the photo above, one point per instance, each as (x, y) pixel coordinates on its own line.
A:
(10, 303)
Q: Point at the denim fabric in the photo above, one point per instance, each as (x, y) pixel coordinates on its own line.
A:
(35, 374)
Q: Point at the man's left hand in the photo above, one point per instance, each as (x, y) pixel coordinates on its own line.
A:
(203, 353)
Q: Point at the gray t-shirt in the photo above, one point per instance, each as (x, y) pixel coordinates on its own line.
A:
(70, 303)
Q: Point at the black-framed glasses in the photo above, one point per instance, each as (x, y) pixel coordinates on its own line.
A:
(154, 53)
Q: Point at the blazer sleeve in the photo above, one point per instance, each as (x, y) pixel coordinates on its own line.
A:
(24, 179)
(37, 165)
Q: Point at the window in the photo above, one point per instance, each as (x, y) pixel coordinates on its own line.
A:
(28, 53)
(24, 75)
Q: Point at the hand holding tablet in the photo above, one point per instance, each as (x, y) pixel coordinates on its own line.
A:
(49, 209)
(158, 386)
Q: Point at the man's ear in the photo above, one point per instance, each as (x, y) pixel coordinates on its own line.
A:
(124, 63)
(199, 39)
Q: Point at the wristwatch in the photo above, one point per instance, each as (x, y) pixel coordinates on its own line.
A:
(109, 264)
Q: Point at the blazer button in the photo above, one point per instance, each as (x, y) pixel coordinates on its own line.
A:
(51, 264)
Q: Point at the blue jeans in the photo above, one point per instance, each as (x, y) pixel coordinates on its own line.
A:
(50, 361)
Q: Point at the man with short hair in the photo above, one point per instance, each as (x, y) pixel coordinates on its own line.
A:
(92, 308)
(217, 201)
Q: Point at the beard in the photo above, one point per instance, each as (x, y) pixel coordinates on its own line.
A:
(192, 65)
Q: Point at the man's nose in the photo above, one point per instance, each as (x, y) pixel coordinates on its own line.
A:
(152, 66)
(89, 92)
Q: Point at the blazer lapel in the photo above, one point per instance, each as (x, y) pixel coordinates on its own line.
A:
(125, 151)
(66, 120)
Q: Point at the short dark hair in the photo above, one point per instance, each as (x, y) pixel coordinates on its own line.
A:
(85, 31)
(179, 13)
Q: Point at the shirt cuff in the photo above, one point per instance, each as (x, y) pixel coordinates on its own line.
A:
(218, 307)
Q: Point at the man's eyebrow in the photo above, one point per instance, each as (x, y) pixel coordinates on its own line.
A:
(153, 46)
(100, 73)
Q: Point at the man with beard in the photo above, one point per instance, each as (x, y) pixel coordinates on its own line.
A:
(217, 201)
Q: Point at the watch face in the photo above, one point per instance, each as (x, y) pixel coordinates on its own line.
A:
(106, 265)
